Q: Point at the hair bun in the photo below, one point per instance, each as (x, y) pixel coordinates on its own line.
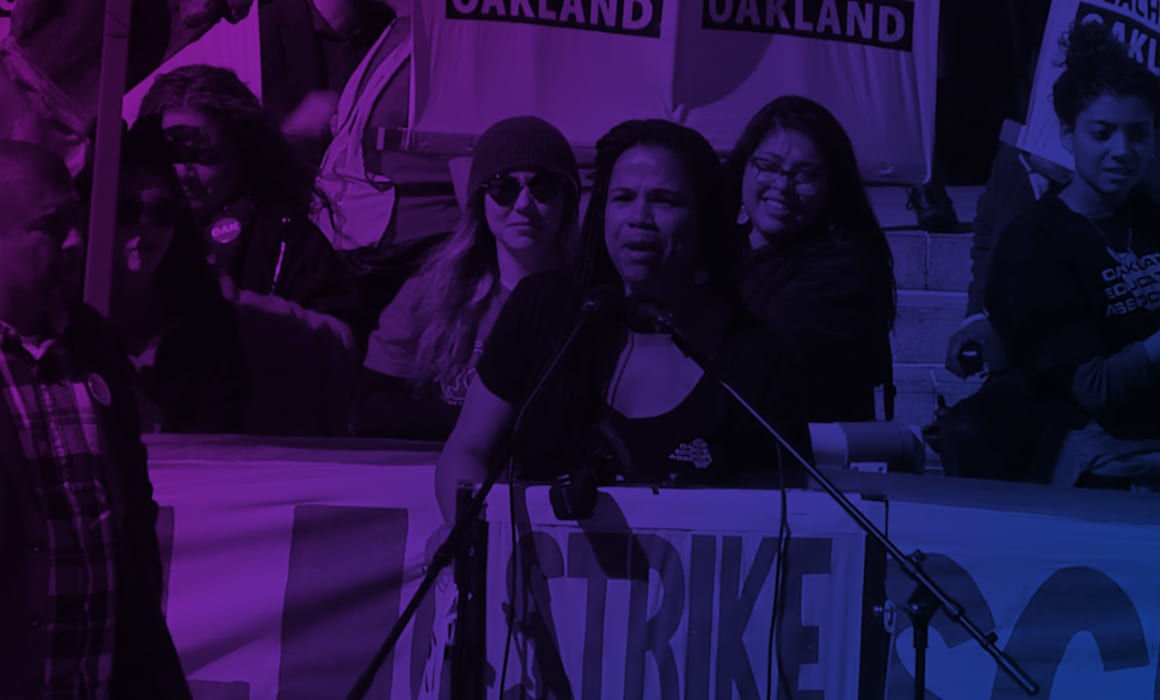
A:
(1087, 41)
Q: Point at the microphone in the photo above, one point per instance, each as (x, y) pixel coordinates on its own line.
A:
(597, 303)
(647, 316)
(601, 302)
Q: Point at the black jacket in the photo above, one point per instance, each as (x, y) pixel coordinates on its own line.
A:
(829, 298)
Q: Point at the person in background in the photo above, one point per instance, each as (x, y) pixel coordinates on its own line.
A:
(167, 306)
(521, 218)
(249, 196)
(309, 50)
(816, 265)
(1071, 292)
(993, 433)
(80, 598)
(625, 402)
(303, 319)
(1018, 179)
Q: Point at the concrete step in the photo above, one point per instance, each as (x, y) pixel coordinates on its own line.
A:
(931, 261)
(889, 202)
(926, 320)
(922, 260)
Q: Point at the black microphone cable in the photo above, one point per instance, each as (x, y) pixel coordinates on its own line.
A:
(595, 304)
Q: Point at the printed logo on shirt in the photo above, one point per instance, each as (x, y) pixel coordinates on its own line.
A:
(696, 453)
(455, 392)
(1132, 285)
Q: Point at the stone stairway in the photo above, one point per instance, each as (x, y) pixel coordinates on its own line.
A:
(932, 271)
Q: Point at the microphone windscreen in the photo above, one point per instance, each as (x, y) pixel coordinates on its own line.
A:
(602, 302)
(646, 315)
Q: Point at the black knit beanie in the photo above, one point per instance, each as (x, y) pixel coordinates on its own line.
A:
(521, 143)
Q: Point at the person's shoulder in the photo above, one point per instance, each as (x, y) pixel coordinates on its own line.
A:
(548, 289)
(754, 344)
(557, 281)
(91, 335)
(86, 322)
(1046, 218)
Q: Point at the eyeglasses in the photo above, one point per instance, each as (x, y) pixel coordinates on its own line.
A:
(804, 179)
(190, 146)
(505, 189)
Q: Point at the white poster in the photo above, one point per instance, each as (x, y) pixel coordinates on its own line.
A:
(640, 602)
(1074, 601)
(586, 65)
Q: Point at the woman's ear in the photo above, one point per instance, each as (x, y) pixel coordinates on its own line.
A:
(1067, 137)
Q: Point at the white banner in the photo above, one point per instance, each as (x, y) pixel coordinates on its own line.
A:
(585, 65)
(287, 566)
(1074, 601)
(1137, 24)
(233, 46)
(640, 602)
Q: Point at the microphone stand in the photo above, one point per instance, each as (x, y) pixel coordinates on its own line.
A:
(928, 597)
(452, 544)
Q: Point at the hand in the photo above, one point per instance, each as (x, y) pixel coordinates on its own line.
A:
(434, 541)
(313, 118)
(977, 332)
(228, 287)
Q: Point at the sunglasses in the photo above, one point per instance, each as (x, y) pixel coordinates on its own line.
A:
(191, 146)
(505, 189)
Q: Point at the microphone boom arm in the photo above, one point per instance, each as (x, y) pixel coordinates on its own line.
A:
(930, 596)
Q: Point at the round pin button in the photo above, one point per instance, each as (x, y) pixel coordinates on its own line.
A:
(99, 390)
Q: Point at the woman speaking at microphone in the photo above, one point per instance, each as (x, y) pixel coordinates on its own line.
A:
(624, 403)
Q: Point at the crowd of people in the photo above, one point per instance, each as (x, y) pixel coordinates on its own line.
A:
(232, 313)
(240, 317)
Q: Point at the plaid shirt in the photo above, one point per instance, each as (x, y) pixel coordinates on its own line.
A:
(58, 431)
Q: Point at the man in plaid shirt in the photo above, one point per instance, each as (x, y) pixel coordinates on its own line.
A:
(80, 588)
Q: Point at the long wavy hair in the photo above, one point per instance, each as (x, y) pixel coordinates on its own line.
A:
(270, 170)
(460, 281)
(720, 242)
(848, 213)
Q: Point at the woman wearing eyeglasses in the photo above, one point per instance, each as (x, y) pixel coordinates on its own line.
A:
(817, 268)
(520, 218)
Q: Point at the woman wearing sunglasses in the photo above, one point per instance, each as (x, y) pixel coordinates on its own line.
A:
(817, 267)
(303, 319)
(520, 218)
(167, 305)
(624, 402)
(247, 192)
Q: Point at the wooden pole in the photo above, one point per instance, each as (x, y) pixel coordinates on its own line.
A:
(99, 260)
